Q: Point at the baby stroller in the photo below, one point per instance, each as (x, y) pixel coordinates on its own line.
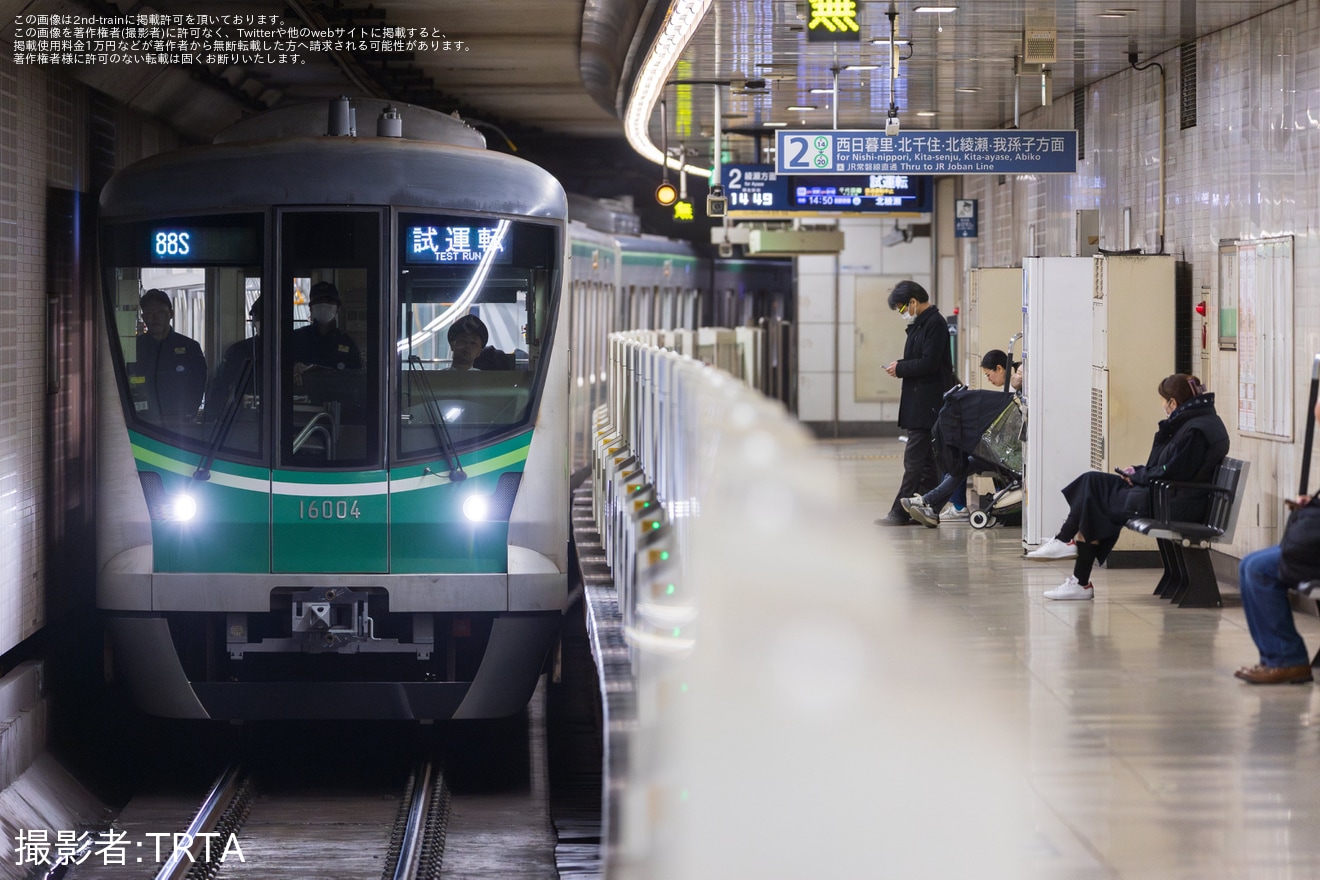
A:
(982, 432)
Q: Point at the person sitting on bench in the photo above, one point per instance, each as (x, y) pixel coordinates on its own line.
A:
(1283, 656)
(1189, 445)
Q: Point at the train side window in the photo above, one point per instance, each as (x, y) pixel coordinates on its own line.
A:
(180, 293)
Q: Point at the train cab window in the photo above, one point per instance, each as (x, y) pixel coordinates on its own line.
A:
(329, 314)
(475, 297)
(182, 297)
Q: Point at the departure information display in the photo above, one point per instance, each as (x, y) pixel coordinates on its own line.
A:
(871, 192)
(759, 188)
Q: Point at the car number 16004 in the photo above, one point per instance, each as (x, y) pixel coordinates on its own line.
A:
(328, 509)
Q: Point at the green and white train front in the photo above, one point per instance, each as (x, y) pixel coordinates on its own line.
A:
(334, 519)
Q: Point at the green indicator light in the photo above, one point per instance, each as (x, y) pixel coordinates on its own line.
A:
(645, 504)
(664, 554)
(676, 632)
(655, 525)
(669, 590)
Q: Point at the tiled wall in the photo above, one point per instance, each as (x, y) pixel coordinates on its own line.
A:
(1249, 169)
(819, 319)
(43, 136)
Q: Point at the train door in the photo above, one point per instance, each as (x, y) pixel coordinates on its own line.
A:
(329, 507)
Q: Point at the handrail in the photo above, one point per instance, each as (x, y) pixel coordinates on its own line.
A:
(312, 427)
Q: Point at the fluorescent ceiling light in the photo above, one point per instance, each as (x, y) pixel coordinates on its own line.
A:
(968, 89)
(685, 16)
(822, 91)
(925, 112)
(884, 41)
(861, 67)
(802, 107)
(1112, 15)
(936, 9)
(774, 124)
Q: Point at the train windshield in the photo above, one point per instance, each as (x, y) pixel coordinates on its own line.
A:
(182, 299)
(474, 310)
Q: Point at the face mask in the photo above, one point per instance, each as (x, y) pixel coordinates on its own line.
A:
(324, 313)
(909, 317)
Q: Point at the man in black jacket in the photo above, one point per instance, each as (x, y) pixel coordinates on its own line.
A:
(927, 372)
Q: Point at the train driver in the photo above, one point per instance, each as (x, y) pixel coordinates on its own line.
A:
(468, 349)
(170, 373)
(321, 343)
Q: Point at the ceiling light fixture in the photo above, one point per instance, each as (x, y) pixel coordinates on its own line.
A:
(884, 41)
(685, 16)
(925, 112)
(891, 121)
(774, 124)
(967, 90)
(861, 67)
(825, 91)
(936, 9)
(801, 108)
(1111, 15)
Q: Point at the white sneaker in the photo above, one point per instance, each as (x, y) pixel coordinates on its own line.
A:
(954, 514)
(1071, 589)
(1054, 549)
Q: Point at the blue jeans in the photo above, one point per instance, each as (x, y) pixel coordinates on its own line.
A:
(952, 488)
(1269, 613)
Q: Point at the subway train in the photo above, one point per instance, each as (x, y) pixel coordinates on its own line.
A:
(308, 507)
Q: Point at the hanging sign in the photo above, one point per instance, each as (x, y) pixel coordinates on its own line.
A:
(996, 151)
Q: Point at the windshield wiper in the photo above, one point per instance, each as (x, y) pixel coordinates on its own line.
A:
(438, 423)
(233, 399)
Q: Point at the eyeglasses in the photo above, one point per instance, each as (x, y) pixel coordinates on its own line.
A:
(902, 310)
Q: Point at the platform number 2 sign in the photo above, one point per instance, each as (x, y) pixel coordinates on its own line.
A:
(815, 152)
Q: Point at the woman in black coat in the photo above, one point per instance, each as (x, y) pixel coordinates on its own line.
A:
(1189, 445)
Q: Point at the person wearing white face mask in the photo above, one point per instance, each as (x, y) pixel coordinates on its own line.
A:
(321, 343)
(926, 369)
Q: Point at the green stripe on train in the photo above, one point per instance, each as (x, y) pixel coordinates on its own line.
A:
(407, 521)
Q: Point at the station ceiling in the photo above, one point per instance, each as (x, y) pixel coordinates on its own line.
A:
(553, 77)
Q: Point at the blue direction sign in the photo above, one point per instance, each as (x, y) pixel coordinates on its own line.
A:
(996, 151)
(754, 188)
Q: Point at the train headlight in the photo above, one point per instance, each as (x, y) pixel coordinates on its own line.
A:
(183, 508)
(476, 507)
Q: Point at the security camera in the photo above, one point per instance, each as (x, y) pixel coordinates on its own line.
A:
(726, 250)
(716, 204)
(891, 126)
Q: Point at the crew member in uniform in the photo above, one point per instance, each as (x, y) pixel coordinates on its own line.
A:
(169, 375)
(244, 352)
(321, 343)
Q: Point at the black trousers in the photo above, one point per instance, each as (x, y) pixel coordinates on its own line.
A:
(919, 472)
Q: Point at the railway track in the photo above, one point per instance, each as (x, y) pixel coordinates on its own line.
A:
(350, 806)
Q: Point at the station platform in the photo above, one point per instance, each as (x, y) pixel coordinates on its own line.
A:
(1143, 756)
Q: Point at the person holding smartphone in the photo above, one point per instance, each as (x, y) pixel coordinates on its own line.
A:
(1189, 445)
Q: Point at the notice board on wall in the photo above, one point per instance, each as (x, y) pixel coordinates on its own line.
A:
(1256, 288)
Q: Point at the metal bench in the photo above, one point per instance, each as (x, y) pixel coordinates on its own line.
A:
(1309, 590)
(1189, 576)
